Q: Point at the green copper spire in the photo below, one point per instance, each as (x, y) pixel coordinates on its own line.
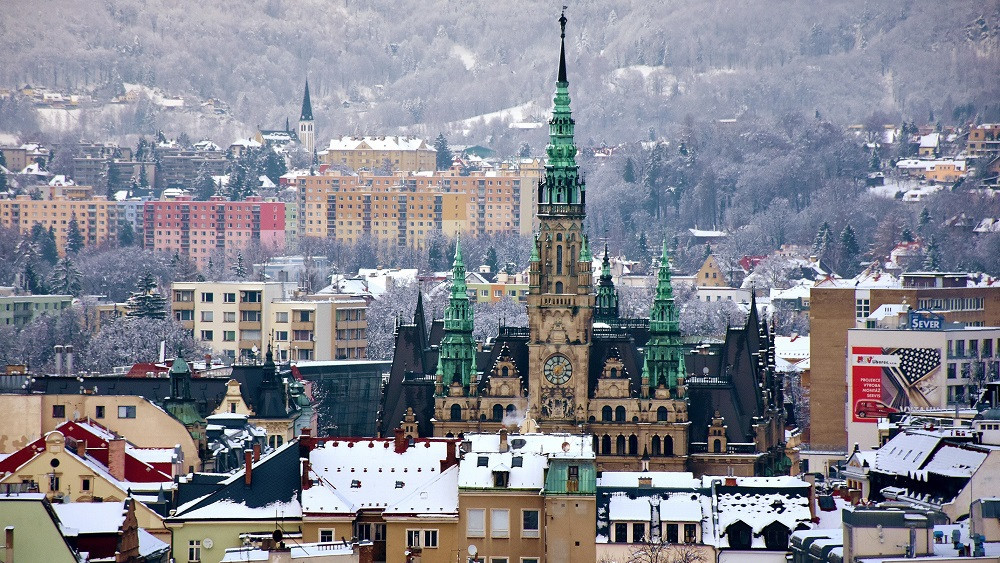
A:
(606, 306)
(664, 356)
(457, 356)
(562, 184)
(534, 250)
(585, 255)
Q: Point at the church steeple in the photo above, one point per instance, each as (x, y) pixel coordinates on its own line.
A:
(457, 357)
(606, 307)
(307, 131)
(562, 192)
(664, 362)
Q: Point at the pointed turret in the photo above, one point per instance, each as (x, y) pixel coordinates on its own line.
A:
(307, 131)
(664, 356)
(606, 307)
(271, 400)
(457, 357)
(180, 403)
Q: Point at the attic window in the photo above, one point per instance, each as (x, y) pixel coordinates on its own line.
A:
(516, 462)
(399, 484)
(482, 461)
(355, 484)
(501, 479)
(517, 443)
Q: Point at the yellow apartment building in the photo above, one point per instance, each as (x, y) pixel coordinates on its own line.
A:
(235, 318)
(96, 218)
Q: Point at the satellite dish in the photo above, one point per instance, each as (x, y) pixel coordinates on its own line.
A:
(472, 550)
(704, 370)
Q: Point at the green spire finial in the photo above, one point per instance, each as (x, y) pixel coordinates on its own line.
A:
(562, 47)
(585, 255)
(606, 305)
(606, 264)
(534, 250)
(664, 358)
(457, 356)
(458, 287)
(562, 185)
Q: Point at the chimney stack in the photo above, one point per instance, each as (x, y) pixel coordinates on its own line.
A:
(366, 552)
(306, 481)
(400, 441)
(116, 458)
(504, 446)
(256, 453)
(450, 458)
(59, 358)
(305, 443)
(9, 542)
(81, 448)
(69, 359)
(248, 467)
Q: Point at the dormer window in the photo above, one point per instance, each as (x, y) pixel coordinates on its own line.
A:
(517, 462)
(355, 484)
(482, 461)
(501, 479)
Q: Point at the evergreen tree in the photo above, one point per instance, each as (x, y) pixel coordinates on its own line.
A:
(849, 249)
(74, 238)
(3, 159)
(142, 150)
(925, 219)
(239, 268)
(875, 160)
(824, 238)
(907, 235)
(146, 302)
(113, 179)
(126, 234)
(204, 185)
(444, 156)
(707, 253)
(44, 242)
(273, 165)
(3, 177)
(629, 173)
(435, 253)
(524, 151)
(32, 282)
(644, 254)
(65, 278)
(932, 258)
(491, 262)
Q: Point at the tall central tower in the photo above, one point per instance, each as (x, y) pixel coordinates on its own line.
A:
(307, 132)
(560, 298)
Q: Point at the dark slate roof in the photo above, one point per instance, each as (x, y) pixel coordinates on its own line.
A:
(199, 485)
(275, 479)
(207, 392)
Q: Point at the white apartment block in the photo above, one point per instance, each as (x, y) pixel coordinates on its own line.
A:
(237, 318)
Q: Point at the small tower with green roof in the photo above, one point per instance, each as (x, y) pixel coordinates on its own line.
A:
(606, 307)
(664, 359)
(457, 355)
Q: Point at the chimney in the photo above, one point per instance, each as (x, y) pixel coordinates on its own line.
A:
(59, 358)
(306, 481)
(116, 458)
(504, 446)
(256, 453)
(400, 441)
(450, 458)
(69, 359)
(730, 481)
(248, 466)
(81, 448)
(208, 361)
(9, 542)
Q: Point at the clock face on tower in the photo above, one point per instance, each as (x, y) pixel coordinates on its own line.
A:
(558, 369)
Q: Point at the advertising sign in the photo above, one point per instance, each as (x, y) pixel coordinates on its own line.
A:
(885, 380)
(925, 320)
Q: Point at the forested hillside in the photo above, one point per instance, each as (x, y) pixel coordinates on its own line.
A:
(635, 67)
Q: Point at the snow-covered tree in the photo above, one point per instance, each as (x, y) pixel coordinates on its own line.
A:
(444, 156)
(124, 341)
(65, 278)
(74, 238)
(146, 302)
(239, 266)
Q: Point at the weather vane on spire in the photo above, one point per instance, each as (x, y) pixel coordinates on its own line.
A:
(562, 22)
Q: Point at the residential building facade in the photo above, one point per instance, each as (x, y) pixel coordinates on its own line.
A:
(96, 218)
(369, 153)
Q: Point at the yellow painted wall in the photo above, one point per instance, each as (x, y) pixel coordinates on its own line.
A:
(448, 545)
(36, 537)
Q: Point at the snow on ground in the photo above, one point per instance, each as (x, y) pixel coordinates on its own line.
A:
(467, 56)
(894, 186)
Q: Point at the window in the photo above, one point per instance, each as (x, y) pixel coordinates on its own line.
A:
(281, 335)
(303, 316)
(85, 484)
(229, 317)
(99, 411)
(207, 335)
(229, 298)
(207, 297)
(126, 412)
(58, 411)
(229, 335)
(690, 531)
(184, 295)
(250, 296)
(672, 533)
(302, 335)
(861, 308)
(498, 560)
(475, 522)
(194, 551)
(952, 370)
(500, 479)
(250, 316)
(326, 535)
(573, 479)
(281, 317)
(250, 334)
(619, 414)
(499, 523)
(529, 524)
(606, 414)
(430, 538)
(638, 532)
(207, 316)
(529, 560)
(412, 538)
(184, 315)
(621, 532)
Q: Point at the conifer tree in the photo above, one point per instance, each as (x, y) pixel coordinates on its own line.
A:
(44, 242)
(239, 268)
(74, 238)
(113, 179)
(204, 185)
(849, 248)
(925, 219)
(824, 238)
(932, 258)
(32, 282)
(629, 173)
(65, 278)
(444, 156)
(126, 234)
(146, 302)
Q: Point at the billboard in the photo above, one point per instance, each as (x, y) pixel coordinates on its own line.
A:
(887, 380)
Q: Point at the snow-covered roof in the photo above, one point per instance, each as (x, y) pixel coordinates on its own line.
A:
(250, 143)
(791, 347)
(439, 496)
(676, 507)
(297, 551)
(758, 510)
(952, 461)
(391, 143)
(90, 517)
(659, 479)
(150, 544)
(358, 474)
(703, 233)
(556, 444)
(905, 453)
(930, 141)
(476, 470)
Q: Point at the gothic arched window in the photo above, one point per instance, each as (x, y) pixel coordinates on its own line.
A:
(505, 371)
(606, 445)
(668, 445)
(633, 445)
(655, 445)
(661, 414)
(619, 414)
(497, 413)
(559, 260)
(606, 414)
(620, 445)
(456, 412)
